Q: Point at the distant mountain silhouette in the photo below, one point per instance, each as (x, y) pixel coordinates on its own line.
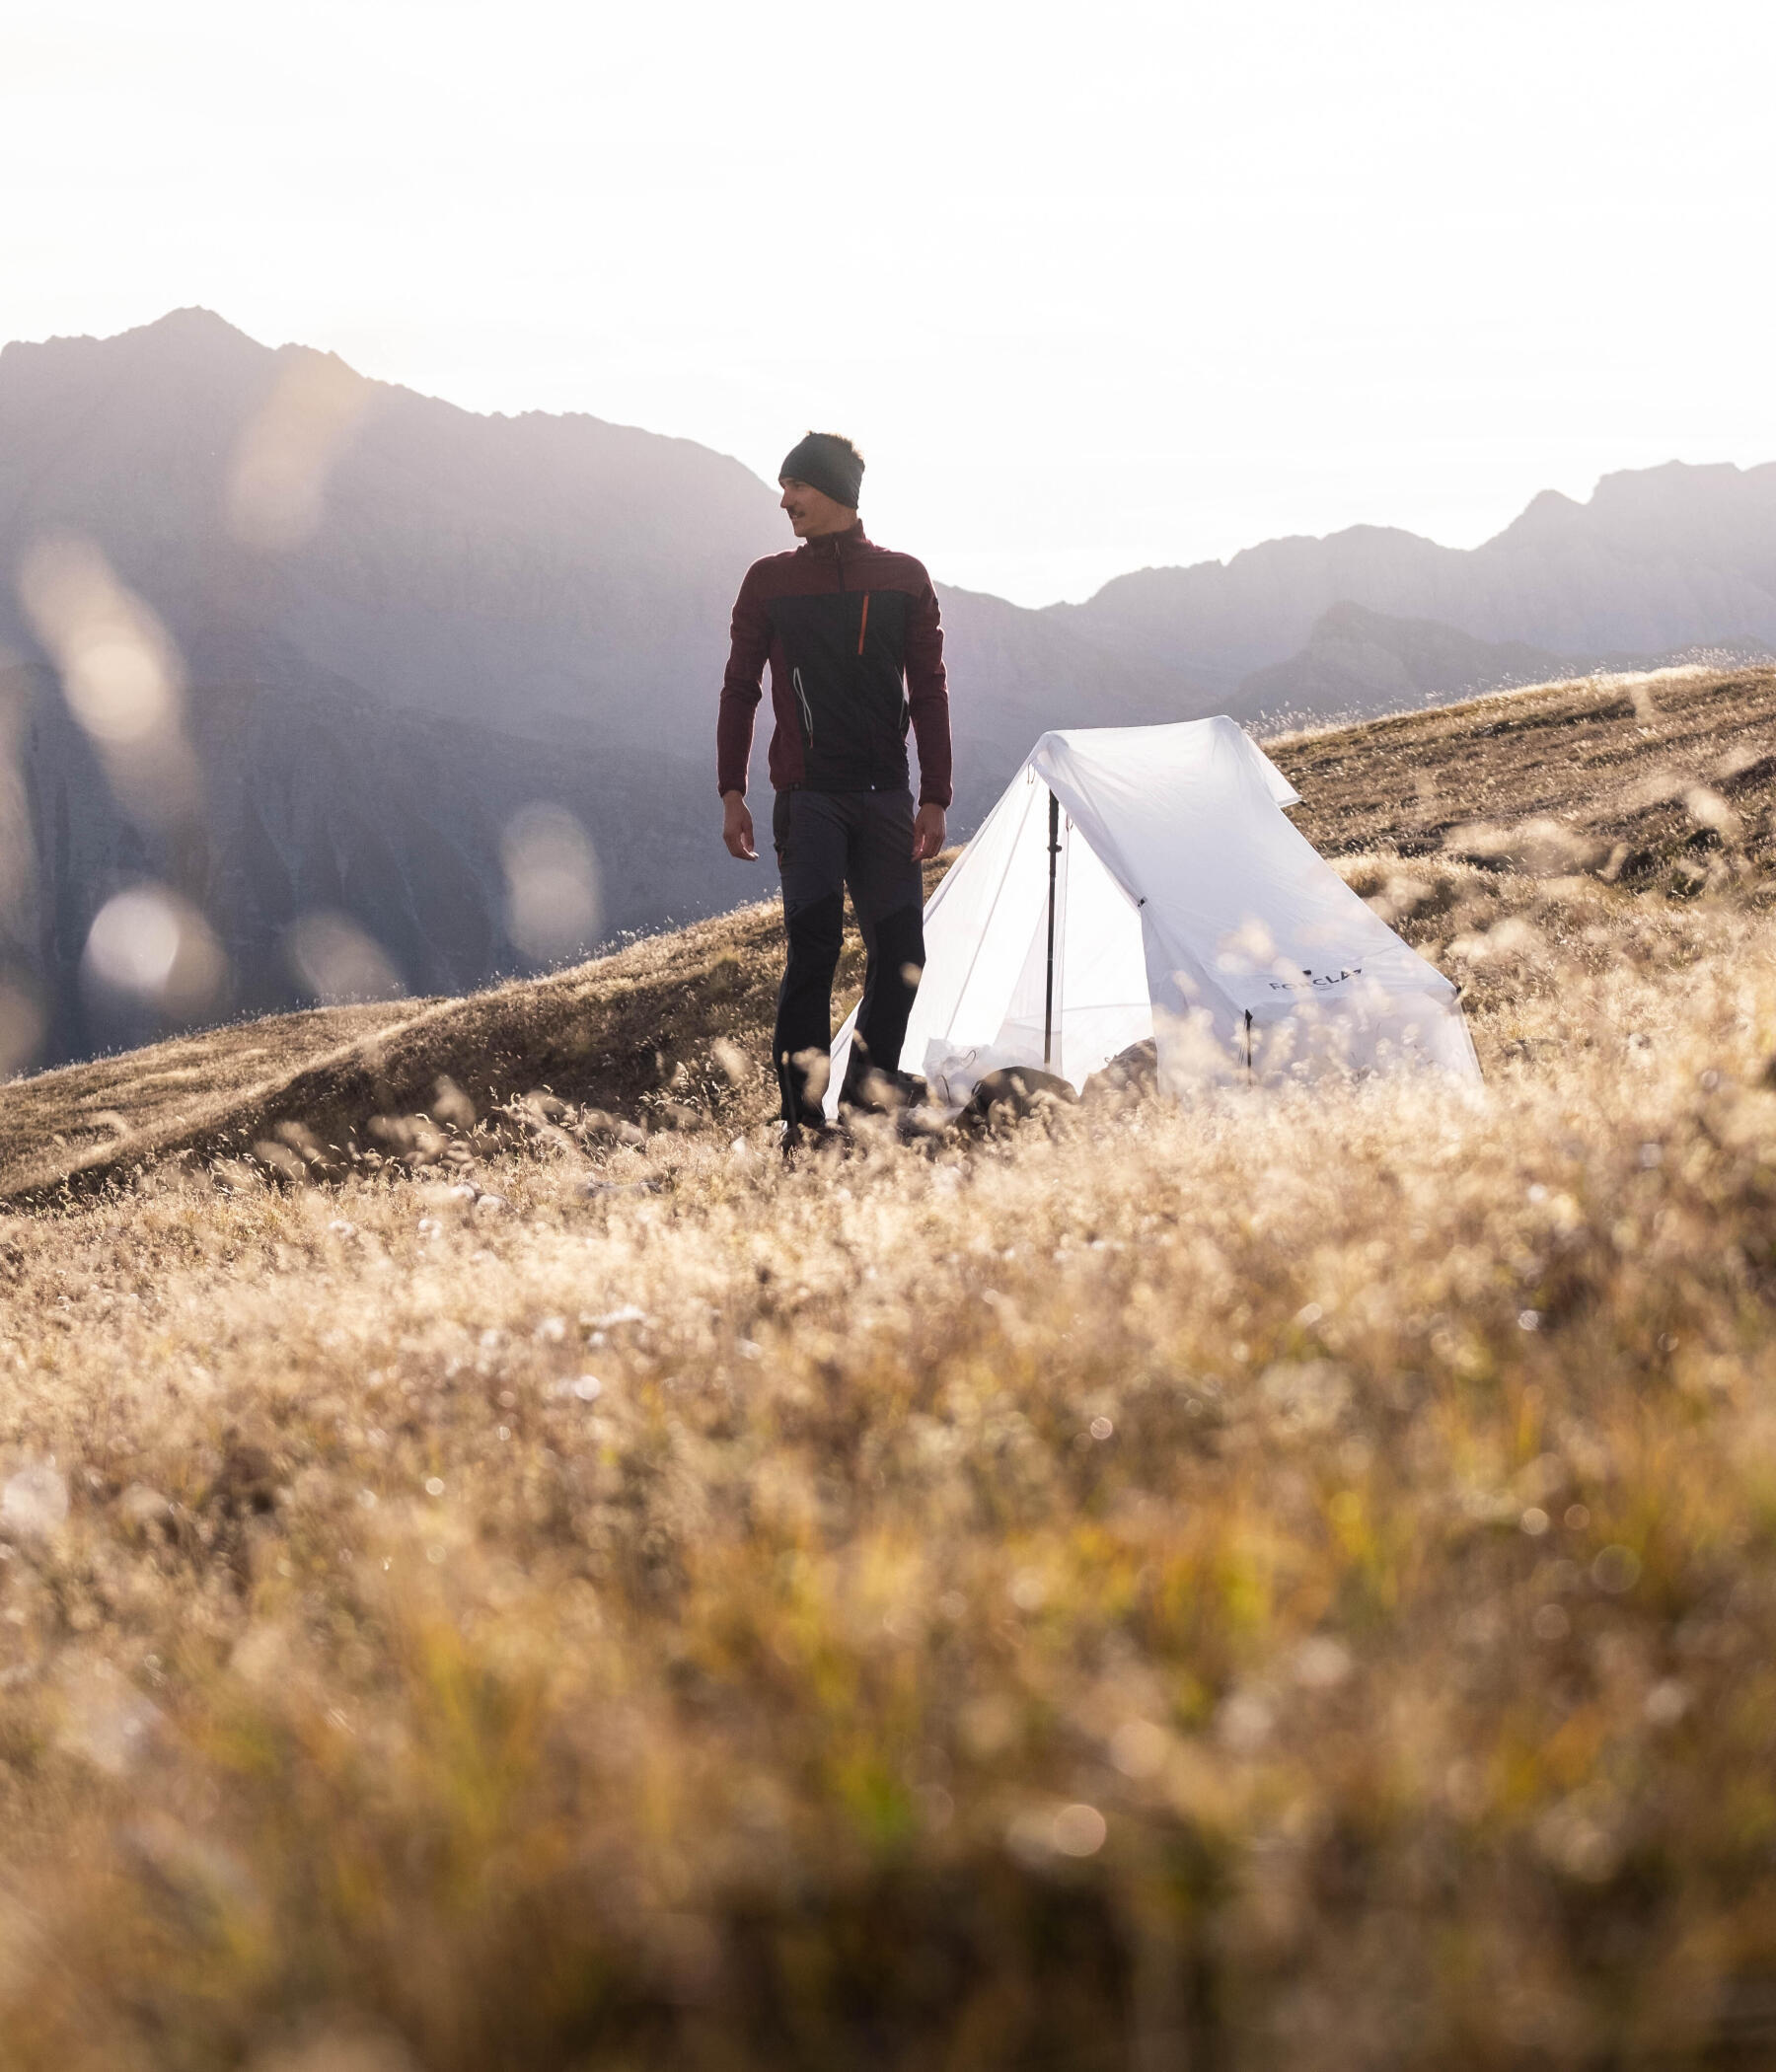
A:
(1361, 662)
(1659, 559)
(524, 572)
(287, 641)
(553, 575)
(1355, 659)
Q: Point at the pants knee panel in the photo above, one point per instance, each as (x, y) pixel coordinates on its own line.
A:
(816, 931)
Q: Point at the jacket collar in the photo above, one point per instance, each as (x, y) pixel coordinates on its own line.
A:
(840, 545)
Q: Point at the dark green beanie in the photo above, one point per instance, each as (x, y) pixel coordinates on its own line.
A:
(827, 463)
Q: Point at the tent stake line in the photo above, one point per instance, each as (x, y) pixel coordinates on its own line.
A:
(1048, 1003)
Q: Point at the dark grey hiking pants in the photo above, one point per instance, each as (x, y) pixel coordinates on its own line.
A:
(826, 841)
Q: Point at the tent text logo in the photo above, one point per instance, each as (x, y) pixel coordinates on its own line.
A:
(1309, 979)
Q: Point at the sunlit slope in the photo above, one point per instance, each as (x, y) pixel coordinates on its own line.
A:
(61, 1122)
(615, 1030)
(1620, 760)
(1658, 784)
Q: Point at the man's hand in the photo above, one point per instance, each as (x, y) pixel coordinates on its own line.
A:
(737, 827)
(927, 833)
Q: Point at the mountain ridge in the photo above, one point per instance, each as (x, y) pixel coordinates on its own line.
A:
(1358, 661)
(1657, 560)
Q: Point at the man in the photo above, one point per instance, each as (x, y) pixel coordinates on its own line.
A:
(856, 648)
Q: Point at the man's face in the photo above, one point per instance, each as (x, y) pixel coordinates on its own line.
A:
(812, 512)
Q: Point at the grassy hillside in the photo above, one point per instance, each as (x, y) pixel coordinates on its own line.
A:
(1600, 776)
(1291, 1581)
(1602, 773)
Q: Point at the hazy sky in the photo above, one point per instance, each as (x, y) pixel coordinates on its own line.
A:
(1094, 286)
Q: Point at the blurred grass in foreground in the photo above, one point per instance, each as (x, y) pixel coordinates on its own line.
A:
(1286, 1582)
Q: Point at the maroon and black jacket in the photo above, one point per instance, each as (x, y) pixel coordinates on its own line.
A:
(856, 648)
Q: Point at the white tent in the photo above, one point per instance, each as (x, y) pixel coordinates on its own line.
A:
(1178, 903)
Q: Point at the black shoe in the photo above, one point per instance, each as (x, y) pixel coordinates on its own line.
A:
(878, 1092)
(817, 1135)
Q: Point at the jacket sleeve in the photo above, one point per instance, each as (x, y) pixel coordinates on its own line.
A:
(750, 638)
(927, 695)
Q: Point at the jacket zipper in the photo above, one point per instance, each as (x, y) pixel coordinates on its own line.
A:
(807, 710)
(838, 575)
(839, 571)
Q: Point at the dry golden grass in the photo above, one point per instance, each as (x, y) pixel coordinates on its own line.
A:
(59, 1123)
(1637, 775)
(1287, 1581)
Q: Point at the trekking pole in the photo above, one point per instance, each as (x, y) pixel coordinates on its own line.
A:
(1048, 1003)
